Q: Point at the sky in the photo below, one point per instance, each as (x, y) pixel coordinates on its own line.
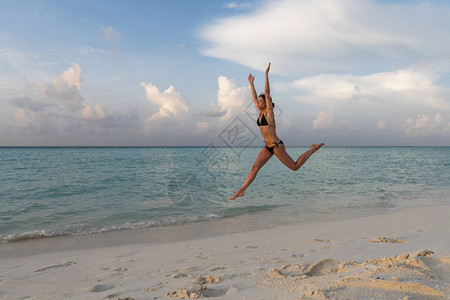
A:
(174, 72)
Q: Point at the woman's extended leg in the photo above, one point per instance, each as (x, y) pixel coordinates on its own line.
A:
(284, 157)
(260, 161)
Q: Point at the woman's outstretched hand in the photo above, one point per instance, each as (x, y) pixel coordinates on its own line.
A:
(268, 69)
(251, 78)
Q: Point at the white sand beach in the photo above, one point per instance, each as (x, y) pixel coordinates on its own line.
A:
(402, 255)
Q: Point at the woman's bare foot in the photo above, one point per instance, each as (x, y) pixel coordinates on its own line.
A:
(239, 193)
(315, 147)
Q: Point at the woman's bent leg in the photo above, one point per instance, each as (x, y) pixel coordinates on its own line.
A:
(284, 157)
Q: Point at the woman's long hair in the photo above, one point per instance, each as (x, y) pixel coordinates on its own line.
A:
(264, 97)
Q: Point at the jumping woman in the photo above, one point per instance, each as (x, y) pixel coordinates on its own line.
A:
(273, 144)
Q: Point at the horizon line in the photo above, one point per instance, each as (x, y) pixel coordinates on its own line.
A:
(205, 146)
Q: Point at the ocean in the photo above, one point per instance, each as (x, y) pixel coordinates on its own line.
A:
(47, 191)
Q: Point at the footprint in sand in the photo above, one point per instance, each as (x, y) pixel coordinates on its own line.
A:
(190, 247)
(121, 269)
(101, 288)
(128, 260)
(291, 270)
(65, 264)
(218, 292)
(319, 240)
(215, 269)
(179, 275)
(297, 255)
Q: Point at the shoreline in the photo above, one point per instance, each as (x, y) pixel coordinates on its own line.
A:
(176, 232)
(285, 262)
(213, 223)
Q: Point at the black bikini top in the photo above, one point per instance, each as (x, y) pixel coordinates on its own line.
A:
(263, 122)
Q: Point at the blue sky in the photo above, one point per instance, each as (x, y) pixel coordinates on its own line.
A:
(175, 72)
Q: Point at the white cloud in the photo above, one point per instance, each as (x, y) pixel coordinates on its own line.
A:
(170, 102)
(382, 98)
(400, 87)
(365, 100)
(235, 5)
(110, 34)
(301, 37)
(95, 113)
(424, 125)
(172, 107)
(230, 98)
(59, 107)
(64, 90)
(71, 77)
(324, 120)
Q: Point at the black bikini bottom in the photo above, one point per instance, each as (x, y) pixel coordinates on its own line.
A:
(273, 147)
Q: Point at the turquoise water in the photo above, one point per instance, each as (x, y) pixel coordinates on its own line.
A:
(59, 191)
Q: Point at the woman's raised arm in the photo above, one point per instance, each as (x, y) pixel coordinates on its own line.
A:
(251, 78)
(267, 90)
